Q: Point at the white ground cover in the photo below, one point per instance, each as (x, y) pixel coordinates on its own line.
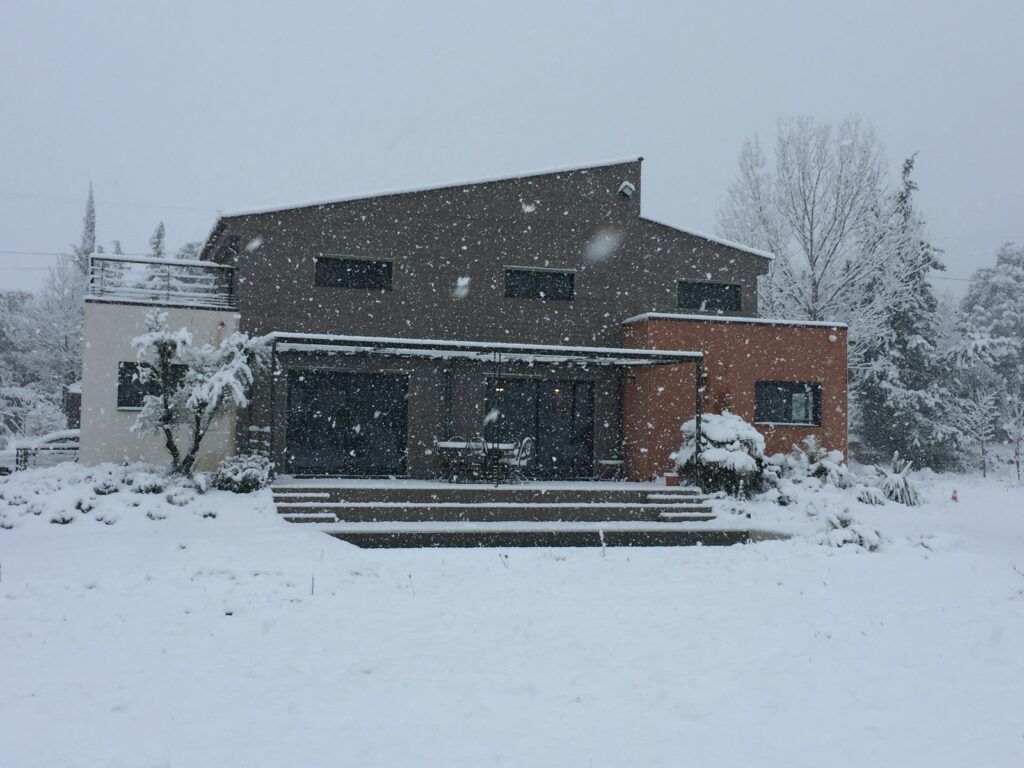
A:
(239, 640)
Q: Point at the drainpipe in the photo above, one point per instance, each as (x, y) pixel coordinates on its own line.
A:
(698, 413)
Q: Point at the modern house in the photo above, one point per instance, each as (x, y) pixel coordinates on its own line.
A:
(545, 306)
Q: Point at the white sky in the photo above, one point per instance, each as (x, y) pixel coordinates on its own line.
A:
(178, 110)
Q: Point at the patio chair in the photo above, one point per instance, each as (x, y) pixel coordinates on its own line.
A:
(475, 458)
(516, 461)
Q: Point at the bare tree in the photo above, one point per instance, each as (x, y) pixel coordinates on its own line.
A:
(1013, 421)
(840, 237)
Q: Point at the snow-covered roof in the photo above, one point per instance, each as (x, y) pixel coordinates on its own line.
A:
(714, 239)
(413, 190)
(732, 319)
(481, 350)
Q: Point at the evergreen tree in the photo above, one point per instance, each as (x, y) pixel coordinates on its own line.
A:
(994, 309)
(189, 251)
(115, 248)
(157, 248)
(87, 244)
(902, 402)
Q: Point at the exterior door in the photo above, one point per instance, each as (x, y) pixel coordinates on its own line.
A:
(557, 414)
(347, 423)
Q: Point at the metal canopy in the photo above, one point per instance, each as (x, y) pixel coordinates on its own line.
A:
(477, 350)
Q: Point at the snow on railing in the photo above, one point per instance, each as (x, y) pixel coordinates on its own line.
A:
(161, 281)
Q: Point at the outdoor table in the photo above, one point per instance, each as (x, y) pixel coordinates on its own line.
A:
(455, 452)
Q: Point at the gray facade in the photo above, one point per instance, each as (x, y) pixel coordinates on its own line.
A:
(577, 221)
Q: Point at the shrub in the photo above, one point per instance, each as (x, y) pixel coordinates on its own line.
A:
(841, 530)
(895, 482)
(242, 473)
(730, 457)
(809, 459)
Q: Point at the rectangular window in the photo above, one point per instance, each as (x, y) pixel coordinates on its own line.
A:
(543, 284)
(132, 391)
(787, 402)
(353, 273)
(709, 297)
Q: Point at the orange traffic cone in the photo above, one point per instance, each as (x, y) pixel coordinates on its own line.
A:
(954, 495)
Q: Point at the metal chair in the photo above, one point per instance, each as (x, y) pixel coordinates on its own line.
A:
(517, 460)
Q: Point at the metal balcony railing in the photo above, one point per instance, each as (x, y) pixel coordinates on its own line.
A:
(161, 281)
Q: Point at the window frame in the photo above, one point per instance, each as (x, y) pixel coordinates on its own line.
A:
(180, 368)
(792, 388)
(570, 273)
(323, 259)
(736, 287)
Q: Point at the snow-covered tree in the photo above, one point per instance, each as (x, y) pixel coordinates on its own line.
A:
(1013, 421)
(835, 229)
(87, 244)
(901, 398)
(157, 247)
(54, 323)
(115, 248)
(978, 405)
(993, 309)
(215, 378)
(189, 250)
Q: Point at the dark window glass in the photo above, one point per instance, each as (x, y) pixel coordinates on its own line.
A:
(787, 402)
(709, 297)
(541, 284)
(132, 391)
(353, 273)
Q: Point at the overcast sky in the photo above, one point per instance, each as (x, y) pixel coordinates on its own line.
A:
(177, 110)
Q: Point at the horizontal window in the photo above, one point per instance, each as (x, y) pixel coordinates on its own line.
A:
(787, 402)
(132, 391)
(544, 284)
(353, 273)
(709, 297)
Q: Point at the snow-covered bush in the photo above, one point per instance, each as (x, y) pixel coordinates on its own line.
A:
(730, 457)
(841, 530)
(895, 482)
(243, 473)
(809, 459)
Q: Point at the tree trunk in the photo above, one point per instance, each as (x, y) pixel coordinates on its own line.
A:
(198, 432)
(984, 461)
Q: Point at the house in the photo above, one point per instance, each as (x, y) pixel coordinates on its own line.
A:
(545, 306)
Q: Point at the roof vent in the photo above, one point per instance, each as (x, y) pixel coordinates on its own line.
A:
(626, 189)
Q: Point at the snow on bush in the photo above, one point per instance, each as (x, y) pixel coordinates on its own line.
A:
(243, 473)
(811, 460)
(731, 455)
(895, 482)
(69, 493)
(841, 530)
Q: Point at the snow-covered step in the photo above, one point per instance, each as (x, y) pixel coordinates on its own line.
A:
(539, 534)
(500, 511)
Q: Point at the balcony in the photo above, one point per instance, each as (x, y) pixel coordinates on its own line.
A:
(168, 282)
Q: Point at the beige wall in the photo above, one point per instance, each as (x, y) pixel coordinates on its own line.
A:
(106, 430)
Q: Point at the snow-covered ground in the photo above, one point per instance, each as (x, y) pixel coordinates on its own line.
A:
(238, 640)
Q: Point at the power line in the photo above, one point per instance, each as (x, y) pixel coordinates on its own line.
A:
(68, 198)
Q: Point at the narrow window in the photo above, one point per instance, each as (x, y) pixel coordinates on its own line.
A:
(132, 391)
(543, 284)
(709, 297)
(787, 402)
(368, 274)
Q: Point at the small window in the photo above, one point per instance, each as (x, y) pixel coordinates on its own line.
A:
(353, 273)
(132, 391)
(709, 297)
(543, 284)
(787, 402)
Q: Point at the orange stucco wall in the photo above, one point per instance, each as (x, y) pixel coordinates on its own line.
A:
(657, 400)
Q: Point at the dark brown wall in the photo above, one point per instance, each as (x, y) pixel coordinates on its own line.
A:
(435, 237)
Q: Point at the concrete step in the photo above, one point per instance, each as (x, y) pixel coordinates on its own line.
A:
(489, 512)
(398, 535)
(478, 494)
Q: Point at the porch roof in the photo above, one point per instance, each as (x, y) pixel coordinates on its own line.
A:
(477, 350)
